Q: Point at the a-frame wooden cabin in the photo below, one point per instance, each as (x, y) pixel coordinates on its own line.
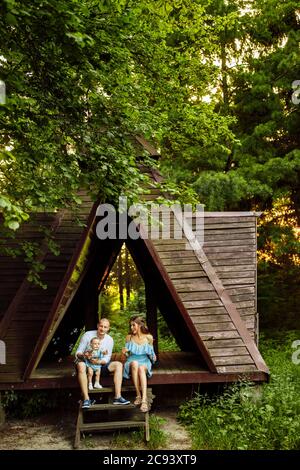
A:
(207, 296)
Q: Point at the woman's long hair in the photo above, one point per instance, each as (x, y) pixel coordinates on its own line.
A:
(139, 321)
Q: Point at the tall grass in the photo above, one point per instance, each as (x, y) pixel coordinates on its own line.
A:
(252, 417)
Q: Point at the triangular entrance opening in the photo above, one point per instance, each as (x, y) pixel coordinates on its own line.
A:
(122, 280)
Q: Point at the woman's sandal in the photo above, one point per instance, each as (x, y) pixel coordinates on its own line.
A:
(144, 407)
(137, 401)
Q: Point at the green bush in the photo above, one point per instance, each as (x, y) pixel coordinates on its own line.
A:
(31, 403)
(248, 417)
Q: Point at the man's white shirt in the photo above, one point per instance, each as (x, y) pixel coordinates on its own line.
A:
(107, 343)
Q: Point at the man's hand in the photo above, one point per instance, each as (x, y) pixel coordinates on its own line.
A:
(94, 360)
(98, 362)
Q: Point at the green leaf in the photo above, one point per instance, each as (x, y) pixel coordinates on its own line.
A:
(11, 19)
(13, 225)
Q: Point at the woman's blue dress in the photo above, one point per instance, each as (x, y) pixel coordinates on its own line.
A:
(142, 353)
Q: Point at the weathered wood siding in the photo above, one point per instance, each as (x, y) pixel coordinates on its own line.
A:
(230, 250)
(230, 245)
(213, 323)
(24, 306)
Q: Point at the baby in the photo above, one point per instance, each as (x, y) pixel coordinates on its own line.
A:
(93, 352)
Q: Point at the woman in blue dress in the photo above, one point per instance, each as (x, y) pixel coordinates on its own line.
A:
(140, 356)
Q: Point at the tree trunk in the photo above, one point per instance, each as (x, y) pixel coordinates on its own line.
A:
(120, 281)
(127, 277)
(224, 77)
(151, 310)
(225, 91)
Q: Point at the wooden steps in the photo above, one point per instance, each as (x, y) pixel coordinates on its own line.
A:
(111, 390)
(112, 426)
(110, 407)
(110, 417)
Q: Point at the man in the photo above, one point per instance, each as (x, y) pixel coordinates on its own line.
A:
(107, 367)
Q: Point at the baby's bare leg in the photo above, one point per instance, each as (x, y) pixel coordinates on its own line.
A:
(97, 375)
(90, 374)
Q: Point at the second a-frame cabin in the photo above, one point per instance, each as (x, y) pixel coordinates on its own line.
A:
(206, 294)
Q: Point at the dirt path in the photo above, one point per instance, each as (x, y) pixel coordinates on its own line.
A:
(51, 432)
(178, 438)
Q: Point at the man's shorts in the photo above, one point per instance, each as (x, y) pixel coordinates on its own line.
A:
(104, 369)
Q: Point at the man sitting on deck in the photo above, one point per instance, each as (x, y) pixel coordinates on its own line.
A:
(107, 367)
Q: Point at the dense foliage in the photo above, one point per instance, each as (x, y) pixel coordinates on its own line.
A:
(210, 81)
(256, 57)
(82, 78)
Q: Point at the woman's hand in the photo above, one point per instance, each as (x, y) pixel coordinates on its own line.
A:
(124, 354)
(153, 358)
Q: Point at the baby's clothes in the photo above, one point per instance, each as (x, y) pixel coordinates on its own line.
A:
(142, 353)
(107, 344)
(95, 355)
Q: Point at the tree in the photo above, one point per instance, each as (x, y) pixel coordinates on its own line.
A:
(81, 79)
(254, 50)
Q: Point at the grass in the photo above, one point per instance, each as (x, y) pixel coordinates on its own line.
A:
(136, 440)
(251, 417)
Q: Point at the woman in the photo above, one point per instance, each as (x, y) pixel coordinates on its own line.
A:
(140, 356)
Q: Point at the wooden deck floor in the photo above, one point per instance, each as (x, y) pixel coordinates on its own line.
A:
(168, 364)
(172, 368)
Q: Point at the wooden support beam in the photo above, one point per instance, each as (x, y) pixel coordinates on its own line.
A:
(2, 413)
(95, 281)
(90, 301)
(91, 307)
(151, 309)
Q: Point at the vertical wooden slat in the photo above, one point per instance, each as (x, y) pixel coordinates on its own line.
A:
(256, 314)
